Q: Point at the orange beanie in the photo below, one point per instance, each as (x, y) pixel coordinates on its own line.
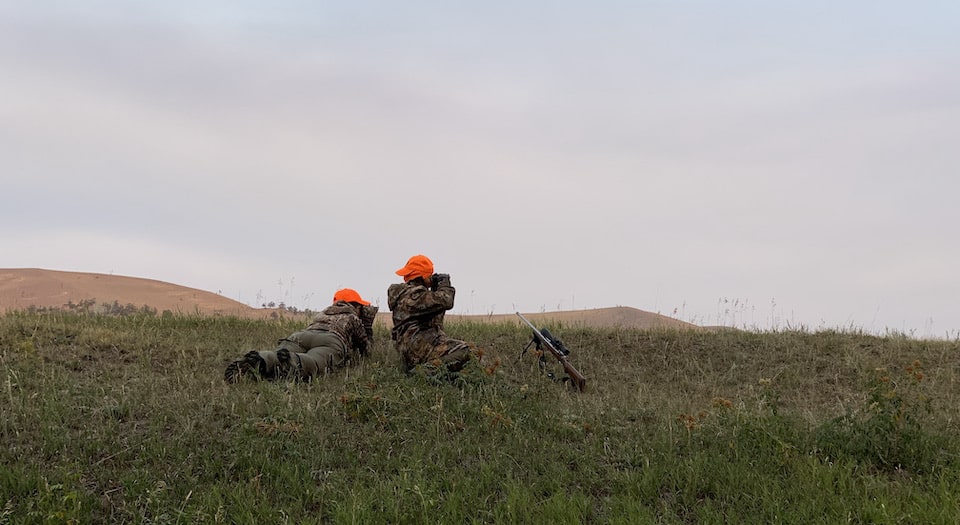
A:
(349, 295)
(417, 266)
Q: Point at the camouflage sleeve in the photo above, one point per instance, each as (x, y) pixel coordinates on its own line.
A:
(393, 295)
(421, 300)
(357, 336)
(368, 314)
(445, 292)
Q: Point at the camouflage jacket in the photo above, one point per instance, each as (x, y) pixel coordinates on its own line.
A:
(353, 325)
(418, 313)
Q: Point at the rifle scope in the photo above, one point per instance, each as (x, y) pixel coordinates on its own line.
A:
(554, 341)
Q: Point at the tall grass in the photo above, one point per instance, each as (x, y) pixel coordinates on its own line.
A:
(128, 420)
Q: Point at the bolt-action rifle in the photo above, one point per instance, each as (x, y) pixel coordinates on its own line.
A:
(543, 338)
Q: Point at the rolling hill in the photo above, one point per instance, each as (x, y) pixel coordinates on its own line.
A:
(22, 288)
(26, 287)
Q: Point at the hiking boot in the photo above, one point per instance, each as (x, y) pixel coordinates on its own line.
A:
(288, 364)
(250, 364)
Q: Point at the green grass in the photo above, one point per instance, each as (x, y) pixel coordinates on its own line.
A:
(128, 420)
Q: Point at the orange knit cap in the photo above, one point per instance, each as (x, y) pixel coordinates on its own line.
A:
(417, 266)
(349, 295)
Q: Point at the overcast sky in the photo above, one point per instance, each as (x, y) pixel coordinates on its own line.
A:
(747, 163)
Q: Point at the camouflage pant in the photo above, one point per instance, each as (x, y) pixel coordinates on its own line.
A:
(456, 356)
(301, 356)
(435, 351)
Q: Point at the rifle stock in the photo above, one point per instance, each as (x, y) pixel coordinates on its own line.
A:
(575, 376)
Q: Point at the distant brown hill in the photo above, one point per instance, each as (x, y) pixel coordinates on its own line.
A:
(21, 288)
(26, 287)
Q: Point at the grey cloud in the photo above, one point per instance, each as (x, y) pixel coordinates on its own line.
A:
(661, 159)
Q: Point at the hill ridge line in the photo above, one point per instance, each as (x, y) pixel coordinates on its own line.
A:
(23, 288)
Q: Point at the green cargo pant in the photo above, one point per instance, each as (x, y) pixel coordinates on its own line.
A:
(301, 356)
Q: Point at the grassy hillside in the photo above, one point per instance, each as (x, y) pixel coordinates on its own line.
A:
(128, 420)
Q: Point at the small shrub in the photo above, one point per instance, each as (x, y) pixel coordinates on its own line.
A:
(895, 432)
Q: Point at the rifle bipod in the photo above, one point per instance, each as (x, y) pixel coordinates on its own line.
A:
(544, 339)
(542, 360)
